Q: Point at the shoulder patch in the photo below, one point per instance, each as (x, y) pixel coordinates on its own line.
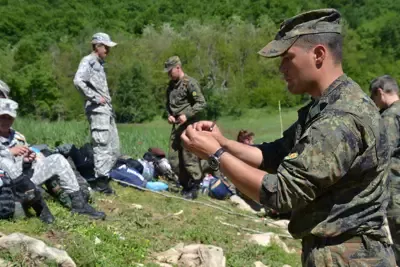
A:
(291, 156)
(194, 93)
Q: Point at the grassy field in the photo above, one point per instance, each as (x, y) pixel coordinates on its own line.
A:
(129, 236)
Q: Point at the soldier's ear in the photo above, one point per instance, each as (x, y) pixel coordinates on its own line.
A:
(319, 55)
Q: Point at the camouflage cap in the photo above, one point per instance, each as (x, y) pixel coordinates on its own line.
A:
(103, 38)
(311, 22)
(171, 63)
(4, 89)
(9, 107)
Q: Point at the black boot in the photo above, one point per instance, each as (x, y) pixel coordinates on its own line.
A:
(191, 191)
(43, 211)
(80, 206)
(102, 185)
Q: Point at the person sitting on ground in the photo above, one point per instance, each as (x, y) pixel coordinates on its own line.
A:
(13, 147)
(53, 184)
(245, 137)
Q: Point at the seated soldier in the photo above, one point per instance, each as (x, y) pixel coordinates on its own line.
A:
(14, 148)
(53, 184)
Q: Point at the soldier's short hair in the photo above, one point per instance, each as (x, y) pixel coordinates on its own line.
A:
(96, 45)
(386, 82)
(333, 41)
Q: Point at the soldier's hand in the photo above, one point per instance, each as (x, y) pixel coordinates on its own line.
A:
(182, 119)
(171, 119)
(19, 150)
(30, 156)
(201, 143)
(210, 126)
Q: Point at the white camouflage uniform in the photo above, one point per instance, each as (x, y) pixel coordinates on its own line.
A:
(91, 81)
(44, 167)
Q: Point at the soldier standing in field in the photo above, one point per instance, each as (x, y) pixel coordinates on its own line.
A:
(385, 93)
(185, 101)
(330, 167)
(91, 81)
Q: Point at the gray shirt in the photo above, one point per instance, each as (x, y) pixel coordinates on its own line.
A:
(91, 81)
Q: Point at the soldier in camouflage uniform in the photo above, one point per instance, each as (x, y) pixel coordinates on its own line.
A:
(185, 101)
(91, 81)
(385, 93)
(330, 167)
(13, 150)
(53, 184)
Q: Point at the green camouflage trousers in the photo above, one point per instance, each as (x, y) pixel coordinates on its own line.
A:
(357, 251)
(184, 163)
(393, 213)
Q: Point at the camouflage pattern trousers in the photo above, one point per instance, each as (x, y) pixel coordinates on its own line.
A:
(393, 214)
(356, 251)
(184, 163)
(105, 142)
(55, 165)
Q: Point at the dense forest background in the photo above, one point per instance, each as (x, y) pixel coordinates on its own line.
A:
(42, 42)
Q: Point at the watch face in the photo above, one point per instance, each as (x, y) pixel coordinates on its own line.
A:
(213, 162)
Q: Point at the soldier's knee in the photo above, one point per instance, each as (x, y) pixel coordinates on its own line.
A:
(100, 137)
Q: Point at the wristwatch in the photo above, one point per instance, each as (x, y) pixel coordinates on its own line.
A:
(213, 160)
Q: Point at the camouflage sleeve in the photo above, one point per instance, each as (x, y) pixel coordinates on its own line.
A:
(82, 82)
(12, 166)
(392, 126)
(393, 130)
(5, 152)
(198, 100)
(319, 159)
(274, 152)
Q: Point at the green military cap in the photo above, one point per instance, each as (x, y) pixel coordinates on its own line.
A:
(311, 22)
(171, 63)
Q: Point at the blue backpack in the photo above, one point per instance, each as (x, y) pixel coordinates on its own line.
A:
(219, 189)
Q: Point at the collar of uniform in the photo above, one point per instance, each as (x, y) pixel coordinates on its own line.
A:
(328, 96)
(334, 87)
(393, 105)
(178, 82)
(101, 61)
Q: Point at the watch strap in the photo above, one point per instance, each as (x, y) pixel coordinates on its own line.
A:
(219, 153)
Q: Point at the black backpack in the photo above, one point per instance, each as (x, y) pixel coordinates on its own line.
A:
(84, 160)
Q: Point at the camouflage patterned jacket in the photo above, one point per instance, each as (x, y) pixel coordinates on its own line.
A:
(13, 166)
(391, 121)
(91, 81)
(330, 168)
(185, 97)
